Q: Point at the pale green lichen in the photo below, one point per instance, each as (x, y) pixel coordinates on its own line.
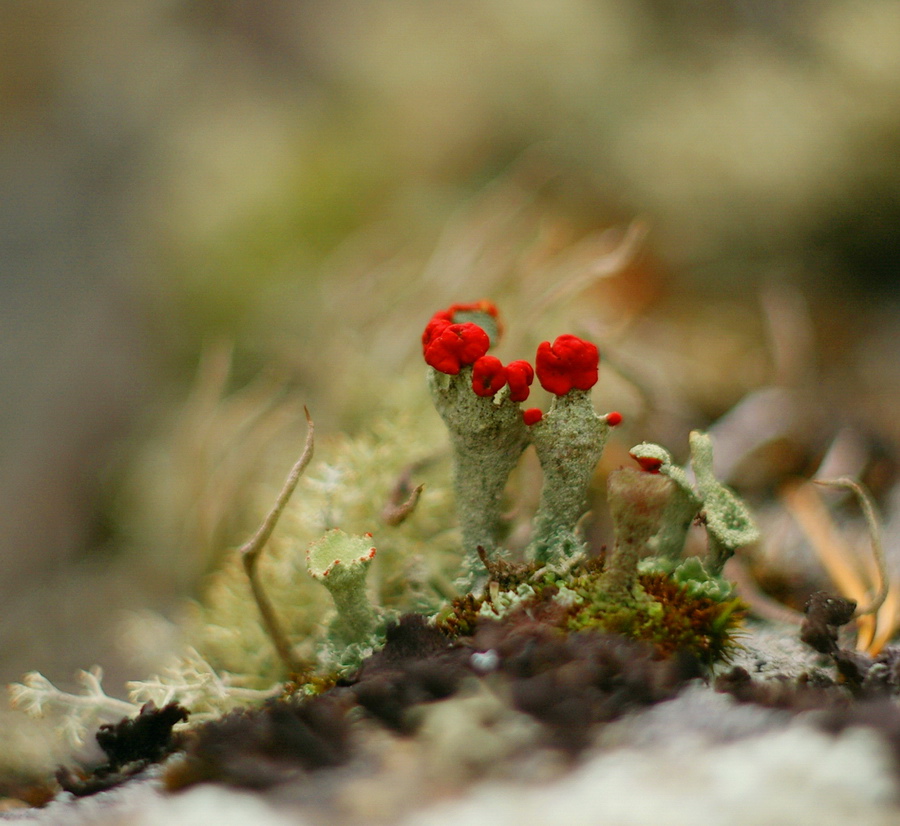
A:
(728, 521)
(682, 507)
(348, 487)
(502, 602)
(487, 437)
(340, 562)
(729, 524)
(692, 574)
(569, 441)
(489, 434)
(230, 658)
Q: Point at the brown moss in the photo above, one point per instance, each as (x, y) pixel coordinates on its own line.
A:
(696, 625)
(507, 575)
(573, 682)
(462, 619)
(664, 614)
(418, 664)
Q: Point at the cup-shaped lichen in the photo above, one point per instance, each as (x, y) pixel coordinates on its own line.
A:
(340, 562)
(683, 505)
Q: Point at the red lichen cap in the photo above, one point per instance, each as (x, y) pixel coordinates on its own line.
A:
(438, 322)
(532, 416)
(444, 318)
(482, 306)
(455, 346)
(614, 419)
(488, 375)
(569, 363)
(648, 463)
(520, 375)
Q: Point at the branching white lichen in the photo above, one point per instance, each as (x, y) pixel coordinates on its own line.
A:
(189, 681)
(78, 713)
(193, 683)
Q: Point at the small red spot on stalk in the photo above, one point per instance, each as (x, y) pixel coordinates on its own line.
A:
(532, 416)
(614, 419)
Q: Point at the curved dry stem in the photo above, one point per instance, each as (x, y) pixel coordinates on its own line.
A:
(404, 497)
(394, 515)
(872, 521)
(251, 551)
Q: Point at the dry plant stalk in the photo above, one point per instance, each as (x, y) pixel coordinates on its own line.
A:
(252, 550)
(404, 497)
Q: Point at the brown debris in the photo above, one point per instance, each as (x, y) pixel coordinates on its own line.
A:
(825, 614)
(571, 683)
(418, 664)
(130, 745)
(261, 747)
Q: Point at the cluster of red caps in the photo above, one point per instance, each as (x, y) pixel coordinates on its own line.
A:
(569, 363)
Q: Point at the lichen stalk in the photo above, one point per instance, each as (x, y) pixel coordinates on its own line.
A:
(340, 562)
(487, 437)
(683, 505)
(729, 524)
(356, 618)
(569, 440)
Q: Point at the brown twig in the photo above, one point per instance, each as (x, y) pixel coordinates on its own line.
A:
(252, 550)
(403, 498)
(804, 504)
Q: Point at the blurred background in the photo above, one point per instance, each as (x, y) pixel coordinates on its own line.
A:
(213, 212)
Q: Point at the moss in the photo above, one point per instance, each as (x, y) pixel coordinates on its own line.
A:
(462, 616)
(672, 612)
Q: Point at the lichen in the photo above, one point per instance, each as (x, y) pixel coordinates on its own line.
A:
(351, 502)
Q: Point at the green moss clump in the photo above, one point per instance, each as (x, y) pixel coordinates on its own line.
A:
(668, 609)
(668, 616)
